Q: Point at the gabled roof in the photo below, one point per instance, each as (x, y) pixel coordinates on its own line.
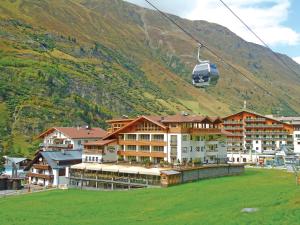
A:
(77, 132)
(53, 158)
(257, 114)
(15, 159)
(189, 119)
(149, 118)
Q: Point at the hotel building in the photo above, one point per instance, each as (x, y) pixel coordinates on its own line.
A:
(175, 139)
(69, 138)
(252, 133)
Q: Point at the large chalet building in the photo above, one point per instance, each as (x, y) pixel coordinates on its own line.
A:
(254, 136)
(69, 138)
(174, 139)
(61, 148)
(154, 151)
(295, 122)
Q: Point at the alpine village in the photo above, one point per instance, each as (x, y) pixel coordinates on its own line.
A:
(109, 108)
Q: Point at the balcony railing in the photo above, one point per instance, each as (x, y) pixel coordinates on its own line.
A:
(255, 119)
(234, 140)
(41, 166)
(38, 175)
(264, 125)
(266, 138)
(93, 151)
(145, 142)
(235, 146)
(233, 122)
(236, 135)
(233, 128)
(57, 146)
(143, 153)
(267, 132)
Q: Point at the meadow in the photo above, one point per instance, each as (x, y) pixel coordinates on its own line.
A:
(215, 201)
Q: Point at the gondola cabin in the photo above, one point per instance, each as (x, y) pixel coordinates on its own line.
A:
(205, 74)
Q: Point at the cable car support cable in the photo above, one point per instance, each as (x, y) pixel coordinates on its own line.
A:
(209, 49)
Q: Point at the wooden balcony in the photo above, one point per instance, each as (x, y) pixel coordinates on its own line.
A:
(57, 146)
(93, 151)
(142, 153)
(142, 142)
(38, 175)
(205, 131)
(233, 122)
(41, 166)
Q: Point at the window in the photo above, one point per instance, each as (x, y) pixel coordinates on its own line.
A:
(237, 159)
(256, 148)
(157, 148)
(158, 137)
(256, 142)
(145, 148)
(174, 151)
(244, 160)
(145, 137)
(96, 159)
(131, 148)
(184, 137)
(131, 136)
(173, 139)
(184, 150)
(197, 149)
(79, 142)
(62, 172)
(191, 149)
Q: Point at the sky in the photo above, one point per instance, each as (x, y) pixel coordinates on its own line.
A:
(276, 22)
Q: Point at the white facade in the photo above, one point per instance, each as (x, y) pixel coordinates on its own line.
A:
(59, 139)
(181, 147)
(297, 140)
(109, 154)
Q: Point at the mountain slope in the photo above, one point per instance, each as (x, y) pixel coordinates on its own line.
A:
(73, 62)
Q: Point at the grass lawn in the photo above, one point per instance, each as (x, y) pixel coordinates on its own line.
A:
(214, 201)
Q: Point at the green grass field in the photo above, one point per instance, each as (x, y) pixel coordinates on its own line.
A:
(214, 201)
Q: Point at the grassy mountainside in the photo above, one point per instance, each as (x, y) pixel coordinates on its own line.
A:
(74, 62)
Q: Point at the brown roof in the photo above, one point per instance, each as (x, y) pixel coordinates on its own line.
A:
(160, 120)
(188, 119)
(257, 114)
(119, 120)
(77, 133)
(149, 118)
(99, 143)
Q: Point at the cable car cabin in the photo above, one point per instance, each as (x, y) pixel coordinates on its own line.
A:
(205, 74)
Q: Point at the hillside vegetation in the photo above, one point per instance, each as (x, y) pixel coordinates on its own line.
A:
(218, 201)
(77, 62)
